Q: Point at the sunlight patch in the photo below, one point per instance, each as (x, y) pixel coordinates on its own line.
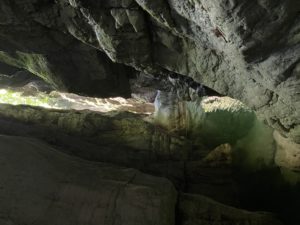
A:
(8, 96)
(67, 101)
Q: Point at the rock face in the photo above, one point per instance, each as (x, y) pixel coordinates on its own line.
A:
(29, 41)
(247, 50)
(113, 130)
(129, 140)
(24, 81)
(43, 186)
(133, 141)
(196, 210)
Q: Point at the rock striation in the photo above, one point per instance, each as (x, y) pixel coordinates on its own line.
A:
(246, 50)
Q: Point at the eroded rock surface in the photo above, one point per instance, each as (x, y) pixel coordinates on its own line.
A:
(41, 185)
(112, 129)
(210, 120)
(133, 140)
(287, 153)
(33, 37)
(247, 50)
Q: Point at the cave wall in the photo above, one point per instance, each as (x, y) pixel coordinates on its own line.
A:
(246, 50)
(44, 186)
(34, 38)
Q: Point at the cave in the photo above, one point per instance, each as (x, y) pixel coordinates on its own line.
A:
(149, 112)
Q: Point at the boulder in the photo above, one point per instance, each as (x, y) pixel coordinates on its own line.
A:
(44, 186)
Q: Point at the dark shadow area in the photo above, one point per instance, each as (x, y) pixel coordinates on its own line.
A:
(267, 190)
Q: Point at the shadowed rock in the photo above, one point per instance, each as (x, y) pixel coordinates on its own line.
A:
(41, 185)
(196, 210)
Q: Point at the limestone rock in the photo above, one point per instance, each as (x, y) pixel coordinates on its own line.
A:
(287, 153)
(246, 50)
(257, 149)
(41, 185)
